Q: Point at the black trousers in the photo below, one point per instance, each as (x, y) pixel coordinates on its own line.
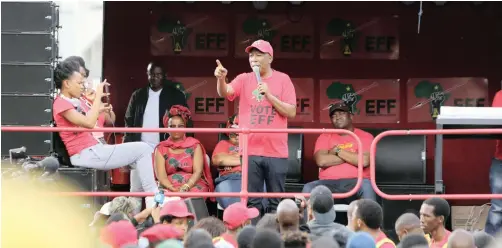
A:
(272, 172)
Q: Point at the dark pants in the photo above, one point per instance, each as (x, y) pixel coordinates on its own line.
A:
(494, 220)
(273, 172)
(344, 186)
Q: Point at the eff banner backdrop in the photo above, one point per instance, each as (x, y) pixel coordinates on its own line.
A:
(203, 99)
(427, 95)
(189, 35)
(359, 38)
(370, 100)
(289, 39)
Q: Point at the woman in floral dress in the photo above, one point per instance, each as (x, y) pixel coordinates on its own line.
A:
(180, 161)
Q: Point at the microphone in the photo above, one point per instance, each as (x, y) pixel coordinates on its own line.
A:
(256, 70)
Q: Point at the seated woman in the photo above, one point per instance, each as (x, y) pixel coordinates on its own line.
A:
(180, 163)
(84, 150)
(227, 158)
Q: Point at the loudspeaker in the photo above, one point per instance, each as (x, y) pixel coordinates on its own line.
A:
(26, 78)
(27, 48)
(197, 206)
(26, 110)
(29, 16)
(37, 144)
(393, 209)
(82, 180)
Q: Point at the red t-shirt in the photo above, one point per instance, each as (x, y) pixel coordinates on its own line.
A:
(497, 102)
(383, 242)
(101, 118)
(327, 141)
(225, 147)
(255, 111)
(441, 244)
(74, 141)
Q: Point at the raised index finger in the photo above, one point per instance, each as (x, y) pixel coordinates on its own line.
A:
(219, 63)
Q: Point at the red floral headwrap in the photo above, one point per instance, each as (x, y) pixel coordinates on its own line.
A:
(177, 110)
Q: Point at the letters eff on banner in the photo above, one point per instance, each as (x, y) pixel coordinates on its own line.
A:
(289, 39)
(370, 100)
(427, 95)
(189, 35)
(203, 99)
(359, 38)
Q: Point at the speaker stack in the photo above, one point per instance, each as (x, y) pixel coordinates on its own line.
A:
(29, 53)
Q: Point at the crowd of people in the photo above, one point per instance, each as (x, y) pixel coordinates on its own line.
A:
(178, 162)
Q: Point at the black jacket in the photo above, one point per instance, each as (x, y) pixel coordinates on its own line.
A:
(169, 96)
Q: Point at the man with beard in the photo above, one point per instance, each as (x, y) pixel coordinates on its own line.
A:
(148, 105)
(336, 156)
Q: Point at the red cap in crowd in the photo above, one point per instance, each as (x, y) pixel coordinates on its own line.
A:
(176, 208)
(237, 214)
(118, 234)
(261, 45)
(162, 232)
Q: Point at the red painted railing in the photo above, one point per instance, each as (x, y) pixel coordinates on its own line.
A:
(427, 132)
(244, 194)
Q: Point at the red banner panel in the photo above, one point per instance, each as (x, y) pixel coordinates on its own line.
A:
(359, 38)
(189, 35)
(371, 100)
(289, 39)
(426, 96)
(203, 99)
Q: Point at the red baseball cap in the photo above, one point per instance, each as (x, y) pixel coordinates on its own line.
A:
(176, 208)
(237, 214)
(162, 232)
(118, 234)
(263, 46)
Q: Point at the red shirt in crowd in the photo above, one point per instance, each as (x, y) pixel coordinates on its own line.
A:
(328, 141)
(497, 102)
(74, 141)
(225, 147)
(440, 244)
(227, 237)
(383, 242)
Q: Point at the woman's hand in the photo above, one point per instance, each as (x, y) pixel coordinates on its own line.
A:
(105, 107)
(100, 90)
(185, 188)
(173, 189)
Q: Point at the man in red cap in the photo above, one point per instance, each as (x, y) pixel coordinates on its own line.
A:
(266, 101)
(175, 213)
(236, 216)
(158, 233)
(118, 234)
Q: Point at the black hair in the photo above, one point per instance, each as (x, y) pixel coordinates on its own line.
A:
(198, 238)
(411, 240)
(167, 218)
(65, 70)
(267, 238)
(295, 239)
(246, 237)
(441, 206)
(370, 213)
(483, 239)
(268, 221)
(154, 64)
(212, 225)
(80, 61)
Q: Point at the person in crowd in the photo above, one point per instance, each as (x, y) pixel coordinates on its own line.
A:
(461, 238)
(83, 149)
(180, 162)
(175, 213)
(246, 236)
(322, 215)
(324, 242)
(494, 220)
(411, 240)
(483, 240)
(350, 213)
(119, 234)
(198, 238)
(236, 217)
(101, 216)
(268, 221)
(361, 240)
(268, 103)
(227, 159)
(288, 216)
(116, 217)
(212, 225)
(148, 105)
(433, 214)
(267, 238)
(337, 156)
(295, 239)
(159, 233)
(368, 217)
(408, 223)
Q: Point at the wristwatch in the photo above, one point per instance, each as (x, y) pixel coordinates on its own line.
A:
(337, 150)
